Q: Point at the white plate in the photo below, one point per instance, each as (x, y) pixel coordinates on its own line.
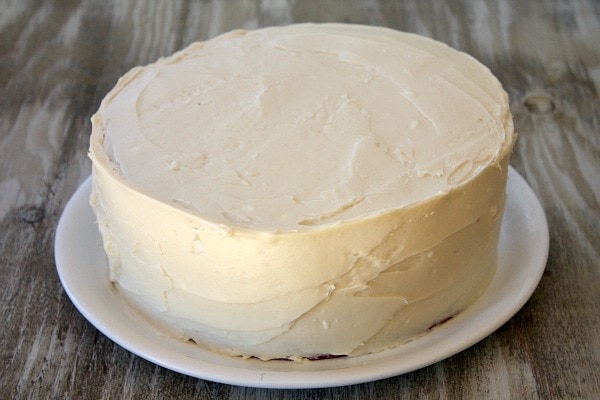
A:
(523, 253)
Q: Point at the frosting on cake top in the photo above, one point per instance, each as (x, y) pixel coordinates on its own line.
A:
(292, 129)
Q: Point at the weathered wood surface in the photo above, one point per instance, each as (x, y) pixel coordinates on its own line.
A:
(59, 58)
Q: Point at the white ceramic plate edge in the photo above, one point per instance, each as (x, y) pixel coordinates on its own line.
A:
(523, 253)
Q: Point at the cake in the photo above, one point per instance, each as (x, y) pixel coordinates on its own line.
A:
(302, 192)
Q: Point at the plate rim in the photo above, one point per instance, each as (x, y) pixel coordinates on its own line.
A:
(336, 372)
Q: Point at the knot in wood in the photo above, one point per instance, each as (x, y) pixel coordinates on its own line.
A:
(31, 214)
(539, 104)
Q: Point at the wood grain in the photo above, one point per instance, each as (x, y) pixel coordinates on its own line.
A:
(59, 58)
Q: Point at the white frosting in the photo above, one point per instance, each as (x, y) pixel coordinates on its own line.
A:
(313, 189)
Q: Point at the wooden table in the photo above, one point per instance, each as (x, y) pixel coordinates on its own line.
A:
(59, 58)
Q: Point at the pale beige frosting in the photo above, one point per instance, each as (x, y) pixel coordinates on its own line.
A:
(313, 189)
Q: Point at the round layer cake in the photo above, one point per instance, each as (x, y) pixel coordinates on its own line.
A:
(305, 191)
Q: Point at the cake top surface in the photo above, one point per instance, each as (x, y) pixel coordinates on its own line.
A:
(293, 128)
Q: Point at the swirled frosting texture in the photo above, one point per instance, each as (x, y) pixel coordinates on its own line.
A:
(312, 189)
